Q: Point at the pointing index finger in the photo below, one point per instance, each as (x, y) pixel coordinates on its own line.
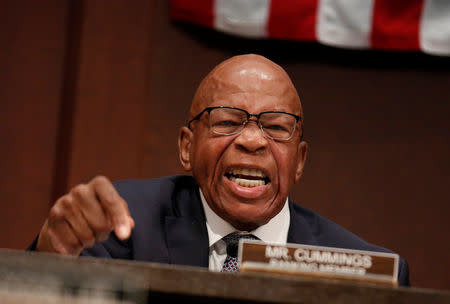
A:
(115, 207)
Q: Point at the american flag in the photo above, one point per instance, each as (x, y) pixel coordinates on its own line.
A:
(403, 25)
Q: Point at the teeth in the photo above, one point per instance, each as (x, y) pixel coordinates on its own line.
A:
(247, 182)
(247, 177)
(245, 171)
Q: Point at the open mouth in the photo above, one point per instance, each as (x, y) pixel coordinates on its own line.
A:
(247, 177)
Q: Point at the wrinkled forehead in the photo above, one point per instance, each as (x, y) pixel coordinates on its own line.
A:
(246, 74)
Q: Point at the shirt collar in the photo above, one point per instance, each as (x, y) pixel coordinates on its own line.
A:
(275, 231)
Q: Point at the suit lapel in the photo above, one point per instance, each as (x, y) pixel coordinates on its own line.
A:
(186, 234)
(187, 242)
(299, 229)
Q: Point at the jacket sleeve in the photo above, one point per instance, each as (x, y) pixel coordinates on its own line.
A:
(403, 273)
(111, 248)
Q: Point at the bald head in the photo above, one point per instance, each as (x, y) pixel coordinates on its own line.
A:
(244, 73)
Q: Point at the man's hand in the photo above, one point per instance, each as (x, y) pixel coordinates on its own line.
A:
(87, 214)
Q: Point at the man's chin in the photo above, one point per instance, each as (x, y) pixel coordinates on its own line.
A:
(243, 223)
(245, 216)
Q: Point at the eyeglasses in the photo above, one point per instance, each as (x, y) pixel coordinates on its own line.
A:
(229, 121)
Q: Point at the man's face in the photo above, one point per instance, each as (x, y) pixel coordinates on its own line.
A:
(255, 85)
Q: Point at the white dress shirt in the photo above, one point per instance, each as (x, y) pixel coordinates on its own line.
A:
(274, 232)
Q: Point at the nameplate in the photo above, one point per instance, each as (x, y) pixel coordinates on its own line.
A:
(318, 261)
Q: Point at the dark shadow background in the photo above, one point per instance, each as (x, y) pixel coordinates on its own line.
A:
(102, 87)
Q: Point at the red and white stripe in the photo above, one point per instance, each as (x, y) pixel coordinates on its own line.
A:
(378, 24)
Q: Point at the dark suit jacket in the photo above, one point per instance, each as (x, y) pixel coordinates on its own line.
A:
(170, 226)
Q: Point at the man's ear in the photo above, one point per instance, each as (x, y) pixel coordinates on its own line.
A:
(184, 147)
(302, 153)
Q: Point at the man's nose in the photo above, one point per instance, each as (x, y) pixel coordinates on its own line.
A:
(252, 138)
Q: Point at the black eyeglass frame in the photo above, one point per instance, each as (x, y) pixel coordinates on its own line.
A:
(249, 115)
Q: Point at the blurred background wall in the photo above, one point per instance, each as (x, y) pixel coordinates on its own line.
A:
(102, 87)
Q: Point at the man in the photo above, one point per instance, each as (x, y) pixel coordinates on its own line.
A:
(243, 145)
